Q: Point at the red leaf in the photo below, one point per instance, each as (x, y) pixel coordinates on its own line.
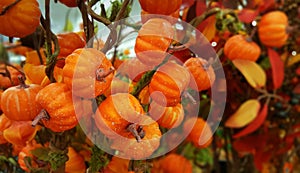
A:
(187, 3)
(298, 71)
(247, 16)
(255, 124)
(277, 68)
(261, 157)
(200, 7)
(296, 90)
(266, 5)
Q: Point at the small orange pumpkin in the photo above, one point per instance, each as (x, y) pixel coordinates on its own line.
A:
(4, 124)
(26, 152)
(172, 18)
(5, 82)
(68, 42)
(241, 47)
(117, 165)
(21, 19)
(153, 40)
(168, 83)
(1, 91)
(87, 72)
(165, 7)
(168, 117)
(134, 69)
(75, 164)
(202, 73)
(201, 134)
(172, 163)
(18, 102)
(56, 99)
(272, 29)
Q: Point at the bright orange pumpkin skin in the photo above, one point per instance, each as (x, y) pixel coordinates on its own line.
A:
(20, 20)
(172, 163)
(80, 69)
(4, 124)
(200, 132)
(18, 103)
(272, 29)
(26, 152)
(238, 47)
(116, 112)
(172, 18)
(5, 82)
(56, 99)
(75, 164)
(153, 40)
(203, 76)
(117, 165)
(168, 117)
(165, 7)
(68, 42)
(170, 80)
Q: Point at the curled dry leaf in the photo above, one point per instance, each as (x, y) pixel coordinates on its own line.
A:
(245, 114)
(253, 73)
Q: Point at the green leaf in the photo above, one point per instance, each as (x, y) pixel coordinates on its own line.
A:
(41, 153)
(3, 54)
(98, 160)
(57, 159)
(68, 24)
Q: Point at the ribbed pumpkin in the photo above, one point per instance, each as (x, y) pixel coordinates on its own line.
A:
(165, 7)
(26, 152)
(201, 134)
(241, 47)
(172, 163)
(56, 99)
(130, 148)
(134, 69)
(153, 40)
(1, 91)
(116, 112)
(81, 72)
(172, 18)
(201, 73)
(21, 19)
(18, 102)
(5, 82)
(4, 124)
(272, 29)
(68, 42)
(168, 83)
(168, 117)
(75, 164)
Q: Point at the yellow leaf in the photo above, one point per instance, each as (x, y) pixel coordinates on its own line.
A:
(293, 60)
(244, 115)
(253, 73)
(210, 29)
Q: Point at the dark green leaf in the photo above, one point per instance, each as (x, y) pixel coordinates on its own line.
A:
(3, 54)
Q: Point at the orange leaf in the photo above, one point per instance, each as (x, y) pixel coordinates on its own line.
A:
(247, 15)
(277, 68)
(253, 73)
(210, 29)
(245, 114)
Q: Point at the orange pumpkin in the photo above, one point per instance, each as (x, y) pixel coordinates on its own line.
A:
(272, 29)
(19, 132)
(168, 117)
(172, 18)
(4, 124)
(75, 164)
(87, 72)
(116, 112)
(1, 91)
(168, 83)
(201, 73)
(134, 69)
(241, 47)
(201, 134)
(131, 148)
(117, 165)
(18, 102)
(26, 152)
(153, 40)
(5, 82)
(56, 99)
(21, 19)
(68, 42)
(34, 73)
(165, 7)
(172, 163)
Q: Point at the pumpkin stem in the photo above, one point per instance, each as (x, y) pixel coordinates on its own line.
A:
(22, 79)
(137, 131)
(42, 115)
(173, 49)
(101, 73)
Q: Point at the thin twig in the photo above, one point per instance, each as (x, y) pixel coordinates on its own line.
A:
(87, 23)
(95, 16)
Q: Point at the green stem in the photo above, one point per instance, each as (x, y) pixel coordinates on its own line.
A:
(142, 83)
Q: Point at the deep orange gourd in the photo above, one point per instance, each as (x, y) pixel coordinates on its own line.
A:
(75, 164)
(80, 72)
(117, 165)
(172, 163)
(239, 47)
(26, 152)
(201, 134)
(272, 29)
(168, 117)
(21, 19)
(172, 18)
(68, 42)
(202, 74)
(56, 99)
(164, 7)
(168, 83)
(153, 40)
(5, 82)
(4, 124)
(18, 102)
